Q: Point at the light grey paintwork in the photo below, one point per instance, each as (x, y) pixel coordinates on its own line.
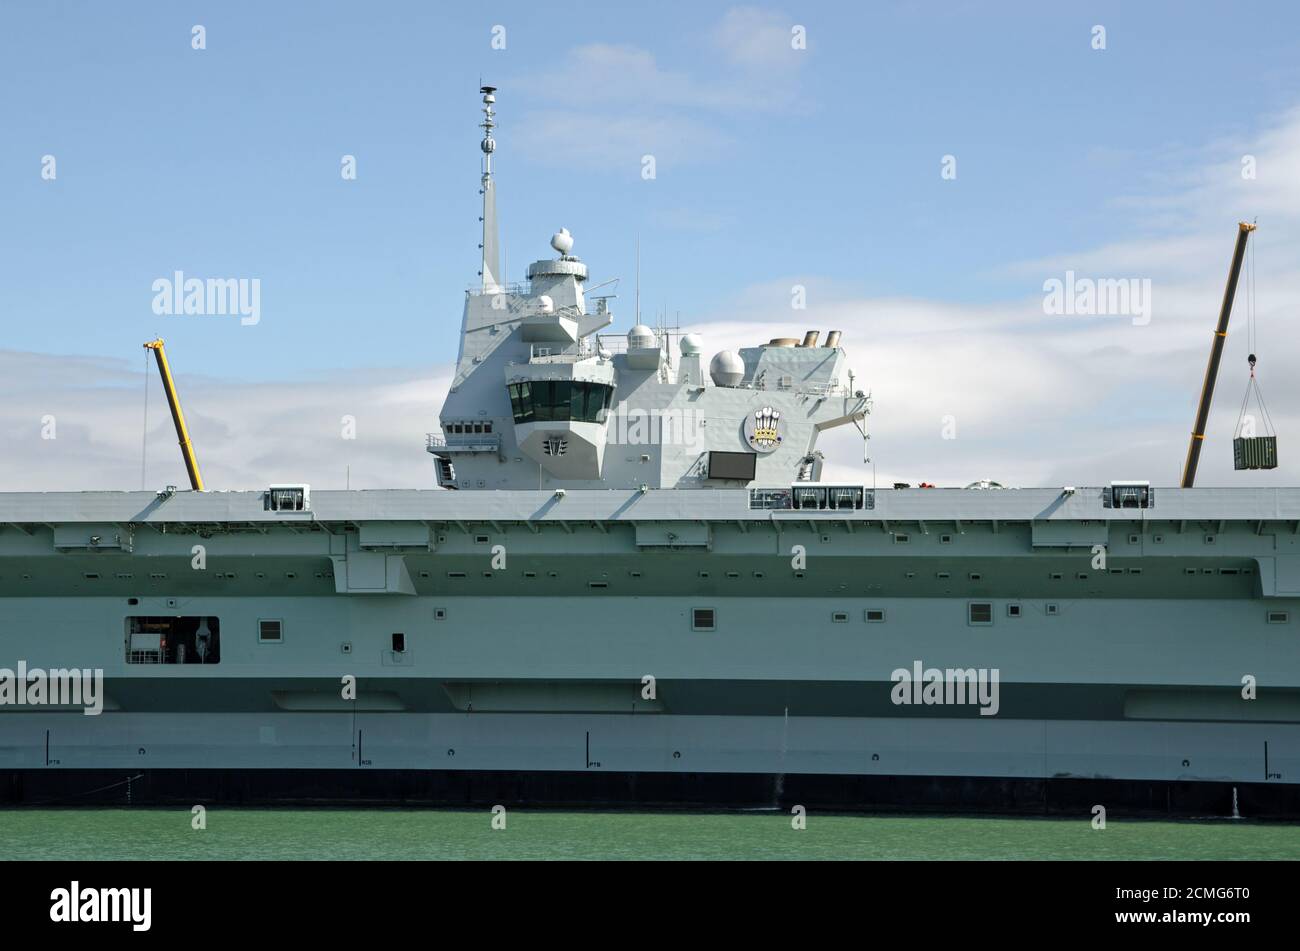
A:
(537, 613)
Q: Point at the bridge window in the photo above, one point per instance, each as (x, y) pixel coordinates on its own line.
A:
(544, 401)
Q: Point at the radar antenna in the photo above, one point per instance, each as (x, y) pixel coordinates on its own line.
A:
(490, 269)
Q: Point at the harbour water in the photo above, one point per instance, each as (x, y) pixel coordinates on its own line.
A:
(251, 834)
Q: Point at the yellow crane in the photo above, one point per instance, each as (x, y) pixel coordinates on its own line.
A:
(178, 417)
(1216, 353)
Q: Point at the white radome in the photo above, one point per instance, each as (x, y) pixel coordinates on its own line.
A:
(691, 345)
(640, 337)
(562, 241)
(726, 368)
(545, 304)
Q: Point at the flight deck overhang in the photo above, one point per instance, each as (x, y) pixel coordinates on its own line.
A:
(1270, 512)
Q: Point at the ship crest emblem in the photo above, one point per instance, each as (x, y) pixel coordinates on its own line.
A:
(764, 431)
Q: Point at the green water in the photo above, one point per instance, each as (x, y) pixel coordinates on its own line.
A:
(447, 834)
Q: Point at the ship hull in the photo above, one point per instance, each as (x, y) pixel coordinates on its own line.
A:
(620, 642)
(845, 762)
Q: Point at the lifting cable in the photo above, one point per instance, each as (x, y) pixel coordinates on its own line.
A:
(1252, 386)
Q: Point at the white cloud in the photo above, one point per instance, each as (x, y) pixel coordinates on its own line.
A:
(631, 105)
(246, 435)
(1050, 400)
(1037, 400)
(617, 141)
(757, 39)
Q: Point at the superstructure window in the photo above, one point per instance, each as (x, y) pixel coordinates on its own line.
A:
(703, 619)
(732, 465)
(981, 612)
(173, 640)
(468, 428)
(561, 401)
(270, 631)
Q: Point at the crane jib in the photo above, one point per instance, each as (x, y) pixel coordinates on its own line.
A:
(1216, 355)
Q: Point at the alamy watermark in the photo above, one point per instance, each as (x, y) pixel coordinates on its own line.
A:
(62, 687)
(1099, 297)
(213, 297)
(669, 427)
(83, 904)
(950, 686)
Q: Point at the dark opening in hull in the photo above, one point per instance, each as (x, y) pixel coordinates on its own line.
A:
(451, 788)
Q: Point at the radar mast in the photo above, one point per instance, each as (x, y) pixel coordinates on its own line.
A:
(490, 270)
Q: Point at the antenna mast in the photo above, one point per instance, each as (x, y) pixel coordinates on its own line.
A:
(490, 269)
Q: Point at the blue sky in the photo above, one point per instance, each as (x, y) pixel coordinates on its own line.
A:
(225, 161)
(774, 167)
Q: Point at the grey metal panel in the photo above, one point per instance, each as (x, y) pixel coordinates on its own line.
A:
(371, 572)
(92, 535)
(391, 534)
(672, 534)
(1286, 576)
(1062, 534)
(658, 743)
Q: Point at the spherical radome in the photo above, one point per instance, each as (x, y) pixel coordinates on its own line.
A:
(562, 241)
(640, 337)
(727, 368)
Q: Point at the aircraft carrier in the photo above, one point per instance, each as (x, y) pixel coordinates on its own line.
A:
(631, 583)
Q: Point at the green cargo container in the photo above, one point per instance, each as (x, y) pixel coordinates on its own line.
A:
(1254, 452)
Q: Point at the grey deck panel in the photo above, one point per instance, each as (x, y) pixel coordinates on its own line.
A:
(904, 505)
